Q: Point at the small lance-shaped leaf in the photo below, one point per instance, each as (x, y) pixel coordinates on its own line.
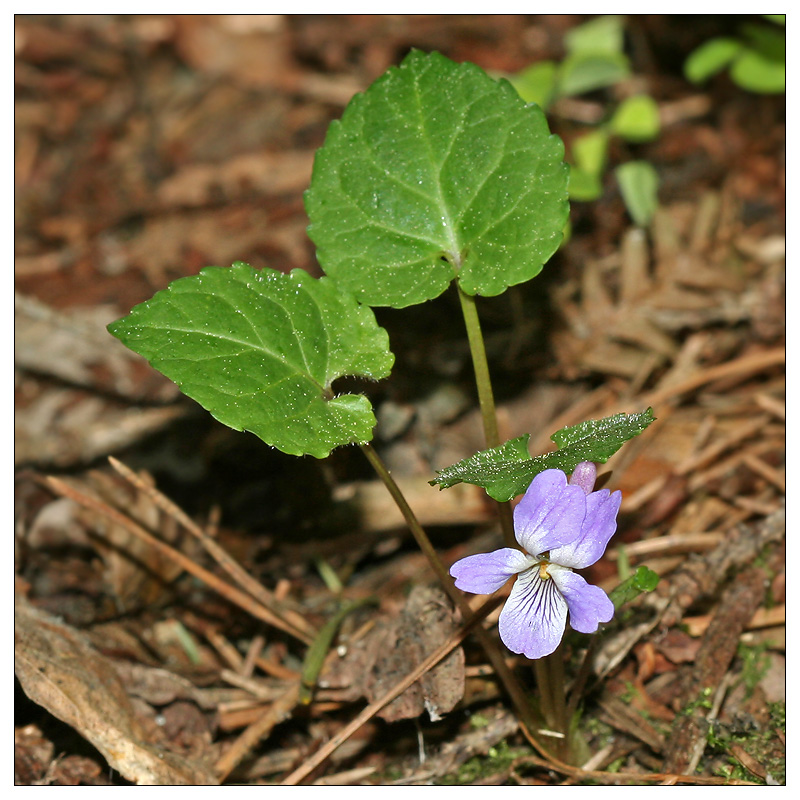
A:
(507, 471)
(436, 171)
(260, 350)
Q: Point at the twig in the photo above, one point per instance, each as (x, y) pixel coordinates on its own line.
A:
(578, 773)
(253, 652)
(739, 602)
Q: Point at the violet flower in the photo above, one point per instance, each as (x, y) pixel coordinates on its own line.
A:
(560, 526)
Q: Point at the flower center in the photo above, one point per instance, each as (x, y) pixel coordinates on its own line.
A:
(543, 573)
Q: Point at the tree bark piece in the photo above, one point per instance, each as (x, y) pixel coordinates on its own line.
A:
(738, 604)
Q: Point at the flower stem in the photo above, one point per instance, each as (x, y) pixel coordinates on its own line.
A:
(483, 383)
(540, 669)
(489, 645)
(549, 672)
(556, 663)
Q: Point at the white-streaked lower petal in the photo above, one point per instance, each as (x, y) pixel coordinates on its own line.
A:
(588, 605)
(485, 573)
(533, 619)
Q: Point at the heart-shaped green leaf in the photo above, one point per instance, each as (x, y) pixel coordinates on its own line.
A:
(260, 350)
(437, 171)
(508, 470)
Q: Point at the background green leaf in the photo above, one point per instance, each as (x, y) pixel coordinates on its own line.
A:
(602, 35)
(761, 65)
(584, 186)
(710, 58)
(589, 152)
(536, 83)
(636, 119)
(436, 170)
(638, 182)
(260, 350)
(508, 470)
(587, 72)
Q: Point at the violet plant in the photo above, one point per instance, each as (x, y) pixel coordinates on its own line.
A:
(436, 175)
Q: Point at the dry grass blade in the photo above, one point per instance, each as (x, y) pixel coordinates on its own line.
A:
(239, 574)
(738, 368)
(230, 593)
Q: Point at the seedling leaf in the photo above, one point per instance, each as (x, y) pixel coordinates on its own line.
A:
(643, 580)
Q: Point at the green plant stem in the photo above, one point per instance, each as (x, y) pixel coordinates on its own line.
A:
(489, 645)
(582, 677)
(483, 383)
(549, 673)
(542, 674)
(555, 662)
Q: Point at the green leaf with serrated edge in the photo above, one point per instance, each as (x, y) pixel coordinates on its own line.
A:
(643, 580)
(508, 470)
(260, 349)
(436, 171)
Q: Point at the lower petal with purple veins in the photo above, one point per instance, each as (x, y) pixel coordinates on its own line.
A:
(533, 619)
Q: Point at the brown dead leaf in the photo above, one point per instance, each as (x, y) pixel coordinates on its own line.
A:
(678, 646)
(60, 671)
(390, 651)
(425, 623)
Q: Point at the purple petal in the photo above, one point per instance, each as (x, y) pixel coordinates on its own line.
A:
(598, 527)
(584, 475)
(550, 514)
(485, 573)
(533, 619)
(588, 605)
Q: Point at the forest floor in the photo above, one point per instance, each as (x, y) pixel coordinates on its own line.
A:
(150, 147)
